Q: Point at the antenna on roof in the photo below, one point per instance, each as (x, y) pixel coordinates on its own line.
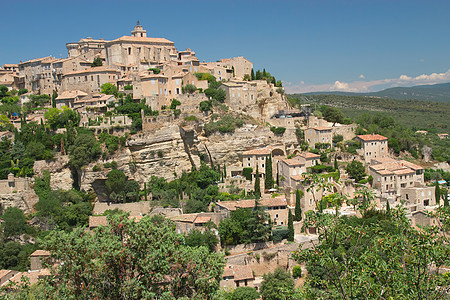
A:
(138, 23)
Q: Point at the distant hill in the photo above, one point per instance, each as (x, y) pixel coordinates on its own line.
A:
(435, 92)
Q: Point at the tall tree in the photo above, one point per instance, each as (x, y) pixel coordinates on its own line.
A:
(257, 189)
(253, 75)
(224, 170)
(268, 181)
(298, 208)
(277, 285)
(123, 260)
(437, 193)
(290, 226)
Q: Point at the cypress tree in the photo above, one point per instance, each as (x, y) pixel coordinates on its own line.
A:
(145, 191)
(253, 75)
(224, 170)
(257, 190)
(290, 227)
(446, 199)
(258, 75)
(268, 182)
(234, 75)
(437, 193)
(388, 207)
(298, 208)
(264, 74)
(336, 166)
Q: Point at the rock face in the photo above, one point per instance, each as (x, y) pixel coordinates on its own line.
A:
(60, 173)
(22, 200)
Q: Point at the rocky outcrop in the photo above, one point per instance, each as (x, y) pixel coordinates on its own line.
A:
(23, 200)
(60, 173)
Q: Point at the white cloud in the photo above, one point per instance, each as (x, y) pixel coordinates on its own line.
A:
(362, 76)
(370, 86)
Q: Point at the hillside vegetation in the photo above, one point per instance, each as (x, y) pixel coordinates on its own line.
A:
(415, 114)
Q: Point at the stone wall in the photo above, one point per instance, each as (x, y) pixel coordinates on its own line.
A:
(135, 209)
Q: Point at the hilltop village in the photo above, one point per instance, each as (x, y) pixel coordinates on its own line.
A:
(134, 127)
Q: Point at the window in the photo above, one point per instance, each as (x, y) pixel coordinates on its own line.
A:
(129, 50)
(262, 165)
(426, 202)
(248, 158)
(407, 197)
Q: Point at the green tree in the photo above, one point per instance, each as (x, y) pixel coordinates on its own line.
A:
(268, 181)
(189, 88)
(333, 114)
(207, 238)
(97, 62)
(437, 193)
(115, 182)
(109, 89)
(298, 208)
(374, 256)
(290, 227)
(253, 77)
(257, 189)
(84, 150)
(14, 222)
(224, 170)
(131, 260)
(205, 106)
(277, 285)
(245, 293)
(356, 170)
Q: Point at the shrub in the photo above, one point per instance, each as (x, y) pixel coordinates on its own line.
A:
(226, 124)
(280, 234)
(205, 106)
(191, 118)
(297, 271)
(160, 154)
(177, 112)
(96, 168)
(188, 89)
(128, 87)
(278, 130)
(155, 70)
(247, 173)
(321, 169)
(174, 104)
(338, 138)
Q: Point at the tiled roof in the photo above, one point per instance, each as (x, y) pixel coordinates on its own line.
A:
(321, 128)
(371, 137)
(95, 221)
(189, 218)
(404, 171)
(71, 95)
(309, 155)
(238, 272)
(93, 70)
(3, 273)
(269, 202)
(297, 177)
(261, 151)
(40, 253)
(38, 59)
(126, 38)
(293, 162)
(202, 220)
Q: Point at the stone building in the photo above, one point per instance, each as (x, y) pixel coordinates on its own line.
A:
(316, 135)
(68, 98)
(373, 146)
(391, 177)
(139, 50)
(240, 64)
(239, 93)
(237, 276)
(90, 80)
(277, 208)
(290, 170)
(36, 259)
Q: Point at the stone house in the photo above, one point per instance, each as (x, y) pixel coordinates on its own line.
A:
(68, 98)
(418, 197)
(14, 184)
(237, 276)
(36, 259)
(318, 135)
(391, 176)
(186, 222)
(240, 64)
(97, 103)
(90, 80)
(6, 275)
(290, 170)
(256, 159)
(239, 93)
(277, 208)
(373, 146)
(33, 73)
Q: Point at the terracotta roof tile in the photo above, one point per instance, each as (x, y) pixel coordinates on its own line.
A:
(371, 137)
(40, 253)
(238, 272)
(126, 38)
(202, 220)
(293, 162)
(309, 155)
(321, 128)
(95, 221)
(260, 151)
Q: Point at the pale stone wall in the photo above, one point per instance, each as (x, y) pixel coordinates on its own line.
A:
(313, 136)
(89, 81)
(135, 209)
(374, 149)
(14, 184)
(418, 198)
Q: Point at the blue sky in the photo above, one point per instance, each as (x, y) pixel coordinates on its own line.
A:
(309, 45)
